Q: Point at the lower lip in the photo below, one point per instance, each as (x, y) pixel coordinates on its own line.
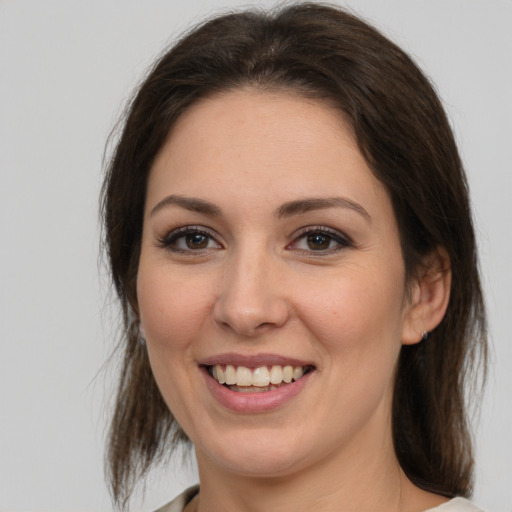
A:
(253, 403)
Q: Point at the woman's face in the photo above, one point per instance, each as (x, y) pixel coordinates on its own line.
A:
(269, 244)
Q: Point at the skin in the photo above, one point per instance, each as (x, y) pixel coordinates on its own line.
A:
(255, 284)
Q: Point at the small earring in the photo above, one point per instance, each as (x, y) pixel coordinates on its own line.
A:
(424, 335)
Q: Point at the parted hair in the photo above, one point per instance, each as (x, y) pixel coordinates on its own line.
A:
(327, 54)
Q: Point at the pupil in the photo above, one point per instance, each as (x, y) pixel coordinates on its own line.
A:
(196, 241)
(318, 241)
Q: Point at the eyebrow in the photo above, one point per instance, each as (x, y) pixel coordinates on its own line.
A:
(188, 203)
(285, 210)
(320, 203)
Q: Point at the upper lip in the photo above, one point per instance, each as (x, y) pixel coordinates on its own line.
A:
(252, 360)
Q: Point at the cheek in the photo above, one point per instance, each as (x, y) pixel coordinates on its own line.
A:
(359, 311)
(357, 323)
(172, 309)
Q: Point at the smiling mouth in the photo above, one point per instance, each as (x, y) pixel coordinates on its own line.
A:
(256, 380)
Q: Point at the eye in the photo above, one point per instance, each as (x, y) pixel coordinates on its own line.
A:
(321, 240)
(190, 239)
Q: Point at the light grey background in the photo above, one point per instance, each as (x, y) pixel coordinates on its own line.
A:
(65, 69)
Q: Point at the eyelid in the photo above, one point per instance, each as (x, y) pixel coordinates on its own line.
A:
(341, 238)
(173, 235)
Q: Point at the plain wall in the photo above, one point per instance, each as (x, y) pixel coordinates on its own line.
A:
(66, 68)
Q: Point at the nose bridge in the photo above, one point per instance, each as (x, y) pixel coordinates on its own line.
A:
(251, 298)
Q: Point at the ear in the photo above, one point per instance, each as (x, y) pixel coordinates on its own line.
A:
(429, 295)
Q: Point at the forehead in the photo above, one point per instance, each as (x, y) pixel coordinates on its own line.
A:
(277, 145)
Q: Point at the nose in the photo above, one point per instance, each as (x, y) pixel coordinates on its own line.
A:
(252, 299)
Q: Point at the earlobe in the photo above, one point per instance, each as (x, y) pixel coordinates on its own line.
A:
(429, 297)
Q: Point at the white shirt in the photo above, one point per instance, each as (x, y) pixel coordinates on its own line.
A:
(454, 505)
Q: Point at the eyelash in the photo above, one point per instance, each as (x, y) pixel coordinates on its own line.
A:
(342, 241)
(170, 240)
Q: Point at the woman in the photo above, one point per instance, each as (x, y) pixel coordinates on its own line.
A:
(289, 233)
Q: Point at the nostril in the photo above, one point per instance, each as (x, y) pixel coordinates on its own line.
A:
(250, 310)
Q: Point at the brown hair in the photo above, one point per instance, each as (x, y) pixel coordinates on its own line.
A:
(325, 53)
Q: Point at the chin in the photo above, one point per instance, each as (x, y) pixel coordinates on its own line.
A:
(254, 454)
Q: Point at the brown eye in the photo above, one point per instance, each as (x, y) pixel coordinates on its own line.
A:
(189, 239)
(196, 241)
(319, 241)
(322, 240)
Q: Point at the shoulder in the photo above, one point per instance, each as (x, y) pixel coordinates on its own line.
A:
(456, 505)
(179, 503)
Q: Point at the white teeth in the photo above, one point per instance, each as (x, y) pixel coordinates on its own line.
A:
(221, 376)
(287, 374)
(243, 376)
(298, 372)
(260, 377)
(276, 375)
(230, 374)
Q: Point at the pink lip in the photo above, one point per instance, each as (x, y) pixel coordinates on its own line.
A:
(254, 403)
(252, 361)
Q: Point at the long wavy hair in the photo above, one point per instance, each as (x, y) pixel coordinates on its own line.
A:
(324, 53)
